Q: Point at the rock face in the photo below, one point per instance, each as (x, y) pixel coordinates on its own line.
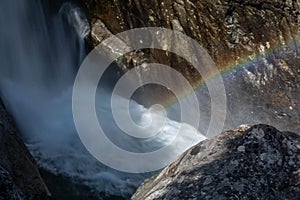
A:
(254, 41)
(222, 26)
(19, 176)
(230, 30)
(257, 162)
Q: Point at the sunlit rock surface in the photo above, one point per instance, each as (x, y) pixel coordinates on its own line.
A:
(230, 30)
(254, 43)
(19, 176)
(257, 162)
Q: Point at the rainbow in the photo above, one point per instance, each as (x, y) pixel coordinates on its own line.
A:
(248, 61)
(234, 67)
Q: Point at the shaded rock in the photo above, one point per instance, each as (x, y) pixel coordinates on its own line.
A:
(258, 163)
(8, 188)
(19, 176)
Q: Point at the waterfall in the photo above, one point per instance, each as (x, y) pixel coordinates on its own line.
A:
(41, 50)
(40, 55)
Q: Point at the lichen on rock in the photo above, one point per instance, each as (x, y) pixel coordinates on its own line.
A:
(258, 163)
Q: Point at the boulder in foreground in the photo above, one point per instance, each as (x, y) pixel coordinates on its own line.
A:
(257, 162)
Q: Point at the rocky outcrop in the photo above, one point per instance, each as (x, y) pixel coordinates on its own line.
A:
(231, 30)
(19, 176)
(257, 162)
(254, 41)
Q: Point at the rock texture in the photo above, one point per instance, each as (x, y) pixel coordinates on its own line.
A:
(8, 188)
(254, 42)
(257, 162)
(230, 30)
(19, 176)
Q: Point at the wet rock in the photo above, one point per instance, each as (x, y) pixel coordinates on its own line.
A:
(8, 188)
(254, 41)
(229, 29)
(19, 176)
(266, 168)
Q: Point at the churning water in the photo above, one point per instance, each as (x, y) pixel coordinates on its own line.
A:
(41, 50)
(42, 47)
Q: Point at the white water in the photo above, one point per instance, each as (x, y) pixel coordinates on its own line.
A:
(40, 53)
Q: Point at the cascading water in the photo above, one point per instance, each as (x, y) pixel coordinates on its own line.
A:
(42, 47)
(41, 51)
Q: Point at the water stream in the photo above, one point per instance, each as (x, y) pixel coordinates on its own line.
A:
(42, 47)
(40, 55)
